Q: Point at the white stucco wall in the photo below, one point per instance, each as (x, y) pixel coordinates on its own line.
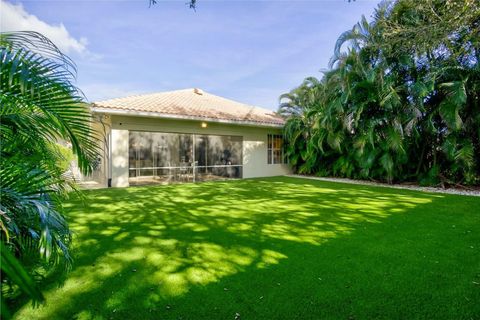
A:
(254, 143)
(119, 161)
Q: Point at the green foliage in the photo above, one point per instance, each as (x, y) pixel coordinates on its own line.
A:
(401, 101)
(39, 106)
(64, 156)
(16, 273)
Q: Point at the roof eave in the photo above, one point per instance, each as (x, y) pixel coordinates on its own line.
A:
(96, 109)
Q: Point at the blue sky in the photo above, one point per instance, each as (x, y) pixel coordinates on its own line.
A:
(249, 51)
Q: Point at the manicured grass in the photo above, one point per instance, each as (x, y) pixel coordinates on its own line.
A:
(275, 248)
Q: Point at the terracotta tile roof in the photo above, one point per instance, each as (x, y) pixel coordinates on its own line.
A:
(190, 104)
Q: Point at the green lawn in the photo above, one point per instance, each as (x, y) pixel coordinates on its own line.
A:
(274, 248)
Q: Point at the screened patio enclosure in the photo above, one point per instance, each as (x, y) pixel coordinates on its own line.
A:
(156, 157)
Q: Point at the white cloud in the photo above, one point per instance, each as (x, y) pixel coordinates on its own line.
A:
(15, 18)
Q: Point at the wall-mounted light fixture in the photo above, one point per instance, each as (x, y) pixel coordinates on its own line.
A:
(204, 125)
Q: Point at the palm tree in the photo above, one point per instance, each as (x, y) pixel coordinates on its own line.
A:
(299, 100)
(40, 107)
(296, 106)
(390, 111)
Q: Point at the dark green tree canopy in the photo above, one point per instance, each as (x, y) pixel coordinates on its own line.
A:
(401, 101)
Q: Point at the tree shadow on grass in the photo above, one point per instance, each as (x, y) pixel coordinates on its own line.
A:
(275, 248)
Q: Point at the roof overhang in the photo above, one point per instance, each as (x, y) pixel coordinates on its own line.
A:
(147, 114)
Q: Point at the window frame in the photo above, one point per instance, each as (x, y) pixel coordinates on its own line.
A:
(275, 149)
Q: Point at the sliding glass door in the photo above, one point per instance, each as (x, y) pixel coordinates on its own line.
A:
(156, 157)
(218, 157)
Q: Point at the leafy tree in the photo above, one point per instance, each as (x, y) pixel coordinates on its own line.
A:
(296, 106)
(39, 107)
(395, 106)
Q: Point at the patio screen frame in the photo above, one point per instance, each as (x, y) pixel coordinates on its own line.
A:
(183, 157)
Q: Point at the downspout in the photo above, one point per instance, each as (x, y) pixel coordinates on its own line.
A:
(109, 171)
(108, 153)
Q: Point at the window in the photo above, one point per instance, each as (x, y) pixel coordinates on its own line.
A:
(275, 149)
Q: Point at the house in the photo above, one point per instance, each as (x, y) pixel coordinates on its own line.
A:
(185, 135)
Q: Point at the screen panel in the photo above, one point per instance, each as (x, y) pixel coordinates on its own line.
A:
(156, 157)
